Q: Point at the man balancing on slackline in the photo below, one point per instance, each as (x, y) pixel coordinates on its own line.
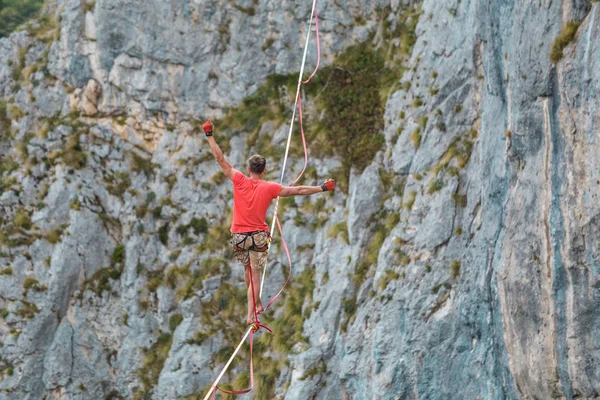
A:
(251, 199)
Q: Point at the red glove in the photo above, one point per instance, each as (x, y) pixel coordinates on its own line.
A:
(328, 185)
(208, 128)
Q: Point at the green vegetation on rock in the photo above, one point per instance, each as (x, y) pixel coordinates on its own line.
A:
(455, 268)
(5, 123)
(118, 185)
(22, 219)
(565, 37)
(100, 281)
(353, 108)
(140, 164)
(154, 360)
(118, 255)
(14, 13)
(385, 280)
(33, 284)
(163, 234)
(339, 229)
(28, 310)
(415, 137)
(410, 200)
(54, 236)
(174, 321)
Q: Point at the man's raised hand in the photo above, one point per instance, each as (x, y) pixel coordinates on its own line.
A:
(208, 128)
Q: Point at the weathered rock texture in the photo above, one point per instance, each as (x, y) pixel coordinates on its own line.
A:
(467, 264)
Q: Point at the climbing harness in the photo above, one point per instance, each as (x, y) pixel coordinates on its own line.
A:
(253, 247)
(254, 327)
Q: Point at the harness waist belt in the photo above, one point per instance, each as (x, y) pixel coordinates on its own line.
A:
(262, 249)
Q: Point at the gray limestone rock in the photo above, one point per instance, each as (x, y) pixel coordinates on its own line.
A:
(364, 200)
(437, 226)
(58, 361)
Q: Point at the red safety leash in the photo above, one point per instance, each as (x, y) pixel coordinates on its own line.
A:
(287, 253)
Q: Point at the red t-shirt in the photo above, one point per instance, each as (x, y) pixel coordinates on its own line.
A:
(251, 199)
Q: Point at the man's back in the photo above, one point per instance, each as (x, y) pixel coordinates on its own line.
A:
(251, 199)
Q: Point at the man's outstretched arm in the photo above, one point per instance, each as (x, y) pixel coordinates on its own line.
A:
(216, 150)
(307, 190)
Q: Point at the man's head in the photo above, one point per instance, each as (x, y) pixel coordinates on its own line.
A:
(257, 165)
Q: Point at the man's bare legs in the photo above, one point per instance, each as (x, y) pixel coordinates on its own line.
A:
(258, 259)
(256, 284)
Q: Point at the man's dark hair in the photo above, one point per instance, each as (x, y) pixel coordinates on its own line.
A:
(257, 163)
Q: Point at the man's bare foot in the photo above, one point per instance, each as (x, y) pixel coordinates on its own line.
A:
(260, 309)
(251, 320)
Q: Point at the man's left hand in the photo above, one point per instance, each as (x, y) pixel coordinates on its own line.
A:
(328, 185)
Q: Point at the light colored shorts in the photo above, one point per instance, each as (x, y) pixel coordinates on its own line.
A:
(257, 259)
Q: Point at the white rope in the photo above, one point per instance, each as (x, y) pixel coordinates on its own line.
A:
(289, 140)
(287, 150)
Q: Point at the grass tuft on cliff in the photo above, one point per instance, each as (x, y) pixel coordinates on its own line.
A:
(154, 360)
(565, 37)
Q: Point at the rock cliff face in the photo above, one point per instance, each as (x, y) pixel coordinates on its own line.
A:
(459, 260)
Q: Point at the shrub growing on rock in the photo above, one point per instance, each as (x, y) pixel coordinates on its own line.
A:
(565, 37)
(15, 12)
